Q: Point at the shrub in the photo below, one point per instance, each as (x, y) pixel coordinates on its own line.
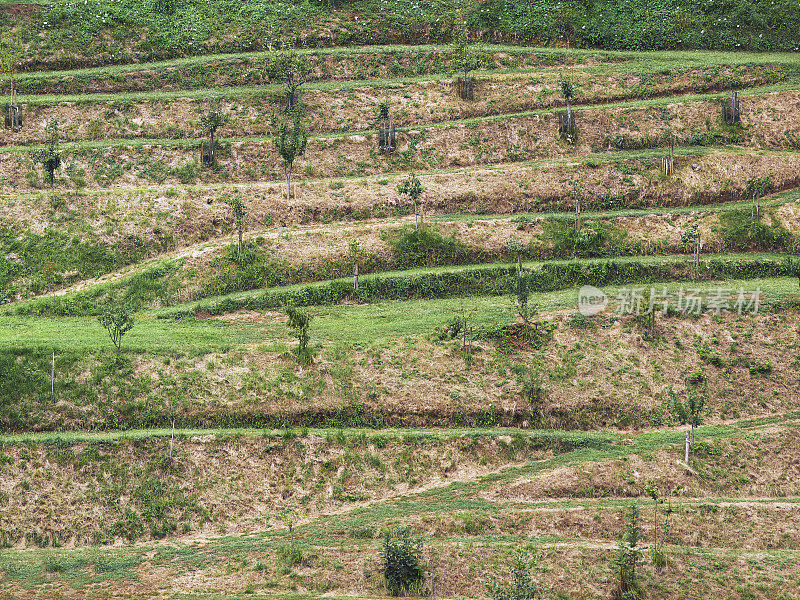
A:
(424, 247)
(741, 231)
(592, 240)
(401, 558)
(522, 586)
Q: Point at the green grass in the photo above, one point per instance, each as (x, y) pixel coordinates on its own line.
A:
(148, 335)
(352, 324)
(646, 62)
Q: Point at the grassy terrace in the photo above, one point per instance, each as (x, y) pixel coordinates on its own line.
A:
(360, 324)
(538, 442)
(338, 537)
(193, 143)
(622, 60)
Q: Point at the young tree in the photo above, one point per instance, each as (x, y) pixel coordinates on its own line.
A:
(412, 188)
(575, 192)
(355, 252)
(117, 321)
(211, 121)
(50, 157)
(386, 130)
(466, 58)
(290, 140)
(401, 562)
(293, 70)
(691, 411)
(522, 587)
(755, 188)
(568, 93)
(299, 322)
(10, 52)
(627, 559)
(691, 237)
(521, 294)
(239, 213)
(288, 515)
(659, 560)
(516, 247)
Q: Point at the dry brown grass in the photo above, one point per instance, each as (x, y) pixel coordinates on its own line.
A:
(418, 103)
(489, 142)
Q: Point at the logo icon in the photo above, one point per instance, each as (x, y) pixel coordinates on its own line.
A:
(591, 301)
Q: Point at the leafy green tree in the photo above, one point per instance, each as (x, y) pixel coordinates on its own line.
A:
(239, 213)
(568, 91)
(300, 322)
(291, 139)
(628, 558)
(691, 237)
(516, 247)
(411, 187)
(211, 121)
(401, 562)
(50, 157)
(522, 586)
(117, 320)
(293, 70)
(756, 188)
(690, 412)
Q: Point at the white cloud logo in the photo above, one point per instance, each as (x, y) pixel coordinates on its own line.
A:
(591, 301)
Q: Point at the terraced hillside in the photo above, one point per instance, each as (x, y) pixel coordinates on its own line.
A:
(209, 457)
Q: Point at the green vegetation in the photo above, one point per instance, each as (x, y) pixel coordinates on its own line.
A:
(66, 34)
(401, 559)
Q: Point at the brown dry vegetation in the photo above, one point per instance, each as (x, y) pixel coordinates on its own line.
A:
(62, 493)
(169, 218)
(457, 145)
(325, 67)
(417, 103)
(592, 375)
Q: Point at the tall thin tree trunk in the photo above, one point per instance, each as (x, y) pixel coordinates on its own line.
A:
(211, 149)
(288, 170)
(240, 240)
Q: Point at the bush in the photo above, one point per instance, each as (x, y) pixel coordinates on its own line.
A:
(423, 247)
(740, 231)
(522, 585)
(593, 240)
(400, 562)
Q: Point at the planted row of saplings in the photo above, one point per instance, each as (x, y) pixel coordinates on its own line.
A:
(479, 143)
(496, 281)
(333, 110)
